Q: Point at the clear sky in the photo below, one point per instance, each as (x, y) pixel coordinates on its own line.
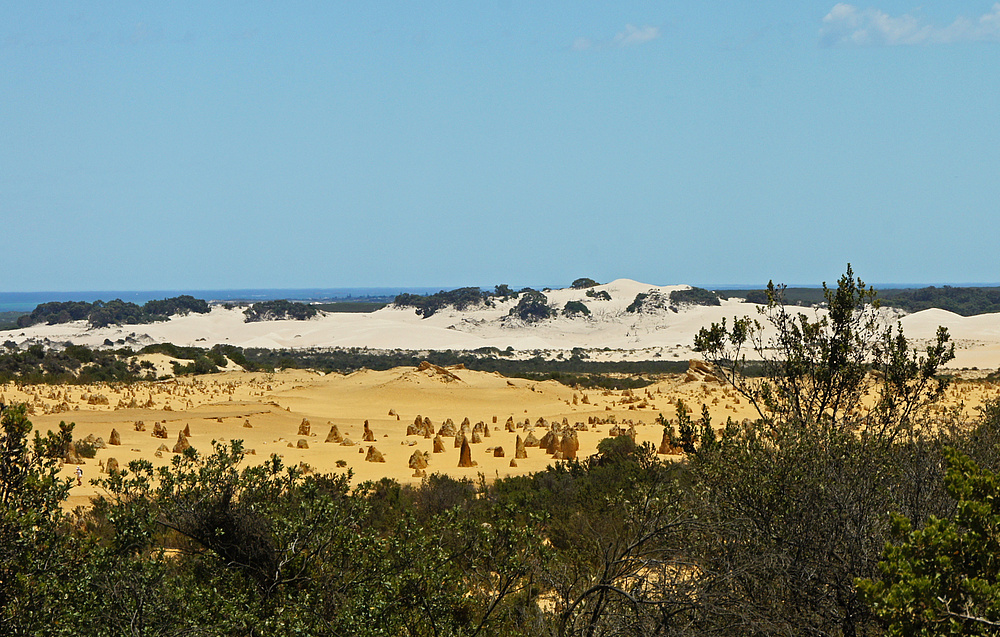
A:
(195, 145)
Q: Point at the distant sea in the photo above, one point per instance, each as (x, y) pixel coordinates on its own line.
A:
(27, 301)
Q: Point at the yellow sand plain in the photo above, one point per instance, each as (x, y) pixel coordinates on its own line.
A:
(217, 407)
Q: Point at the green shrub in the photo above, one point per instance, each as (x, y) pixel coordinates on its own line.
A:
(280, 310)
(574, 308)
(694, 296)
(533, 306)
(84, 448)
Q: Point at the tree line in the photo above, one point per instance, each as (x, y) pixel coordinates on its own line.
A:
(114, 312)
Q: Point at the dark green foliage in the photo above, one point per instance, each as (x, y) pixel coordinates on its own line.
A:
(234, 354)
(815, 369)
(575, 308)
(8, 320)
(280, 310)
(182, 304)
(668, 429)
(944, 579)
(460, 299)
(708, 437)
(806, 297)
(174, 351)
(114, 312)
(503, 291)
(200, 365)
(687, 435)
(31, 544)
(533, 306)
(599, 295)
(84, 448)
(966, 301)
(574, 371)
(694, 296)
(960, 300)
(583, 283)
(75, 364)
(652, 301)
(802, 494)
(637, 302)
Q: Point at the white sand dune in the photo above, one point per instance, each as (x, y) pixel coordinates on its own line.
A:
(667, 333)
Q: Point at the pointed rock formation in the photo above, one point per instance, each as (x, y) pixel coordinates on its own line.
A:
(554, 444)
(666, 447)
(438, 444)
(111, 466)
(369, 435)
(187, 431)
(465, 455)
(570, 444)
(374, 455)
(530, 440)
(460, 440)
(546, 441)
(476, 437)
(447, 429)
(498, 452)
(419, 460)
(519, 450)
(114, 438)
(304, 427)
(334, 435)
(182, 443)
(247, 425)
(159, 431)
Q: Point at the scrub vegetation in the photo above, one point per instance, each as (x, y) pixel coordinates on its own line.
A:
(827, 515)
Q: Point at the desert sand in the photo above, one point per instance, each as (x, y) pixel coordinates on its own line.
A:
(266, 411)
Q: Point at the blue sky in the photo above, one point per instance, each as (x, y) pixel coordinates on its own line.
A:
(192, 145)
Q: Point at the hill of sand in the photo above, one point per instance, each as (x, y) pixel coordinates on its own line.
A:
(266, 411)
(609, 333)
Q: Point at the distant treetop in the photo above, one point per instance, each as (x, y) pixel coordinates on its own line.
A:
(114, 312)
(280, 310)
(460, 299)
(962, 301)
(583, 283)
